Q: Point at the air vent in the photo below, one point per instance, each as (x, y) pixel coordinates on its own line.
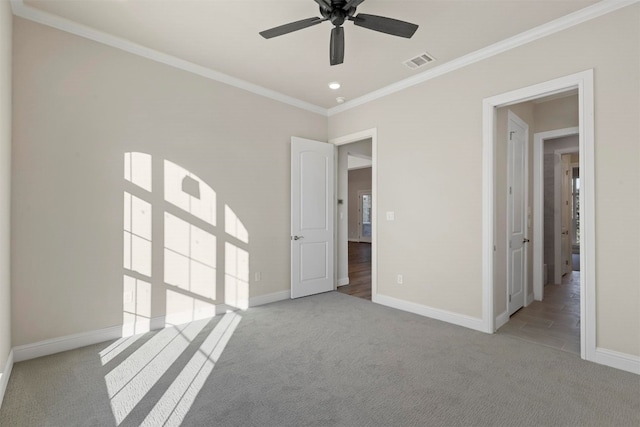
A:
(419, 61)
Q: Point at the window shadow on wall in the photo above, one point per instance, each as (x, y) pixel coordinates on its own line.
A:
(185, 257)
(185, 260)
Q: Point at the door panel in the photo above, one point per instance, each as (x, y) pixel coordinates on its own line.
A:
(312, 211)
(516, 212)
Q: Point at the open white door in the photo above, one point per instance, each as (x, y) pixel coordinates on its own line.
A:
(312, 212)
(517, 211)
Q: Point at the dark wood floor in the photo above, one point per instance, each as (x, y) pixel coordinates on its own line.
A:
(359, 271)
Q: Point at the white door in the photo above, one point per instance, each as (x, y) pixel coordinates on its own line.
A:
(516, 212)
(365, 215)
(312, 212)
(565, 214)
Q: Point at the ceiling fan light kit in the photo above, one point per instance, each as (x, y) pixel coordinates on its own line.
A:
(338, 11)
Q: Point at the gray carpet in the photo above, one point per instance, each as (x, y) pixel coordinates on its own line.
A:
(326, 360)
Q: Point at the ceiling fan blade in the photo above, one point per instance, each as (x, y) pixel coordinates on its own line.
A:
(385, 25)
(351, 3)
(325, 4)
(290, 27)
(336, 48)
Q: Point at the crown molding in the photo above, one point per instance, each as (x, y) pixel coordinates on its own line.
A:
(583, 15)
(591, 12)
(32, 14)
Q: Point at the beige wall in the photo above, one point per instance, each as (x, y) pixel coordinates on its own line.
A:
(5, 180)
(79, 106)
(556, 114)
(422, 132)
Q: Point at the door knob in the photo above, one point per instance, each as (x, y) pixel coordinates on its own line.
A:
(298, 237)
(525, 240)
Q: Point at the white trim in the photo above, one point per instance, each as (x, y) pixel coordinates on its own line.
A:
(433, 313)
(538, 204)
(65, 343)
(615, 359)
(5, 375)
(584, 82)
(355, 137)
(528, 299)
(48, 19)
(583, 15)
(269, 298)
(489, 129)
(502, 319)
(343, 282)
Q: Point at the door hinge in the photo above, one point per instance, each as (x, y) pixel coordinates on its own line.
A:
(509, 297)
(511, 134)
(510, 190)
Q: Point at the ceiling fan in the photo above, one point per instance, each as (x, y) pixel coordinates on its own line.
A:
(337, 11)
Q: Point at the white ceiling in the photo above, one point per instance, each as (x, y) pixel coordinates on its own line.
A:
(222, 35)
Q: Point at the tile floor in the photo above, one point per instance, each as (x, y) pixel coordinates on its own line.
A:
(555, 321)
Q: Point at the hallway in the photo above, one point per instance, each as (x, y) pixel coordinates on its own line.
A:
(359, 271)
(554, 322)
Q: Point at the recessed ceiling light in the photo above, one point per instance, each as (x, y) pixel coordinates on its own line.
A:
(334, 85)
(340, 100)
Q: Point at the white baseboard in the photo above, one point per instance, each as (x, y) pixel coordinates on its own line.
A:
(269, 298)
(69, 342)
(528, 300)
(83, 339)
(343, 282)
(4, 376)
(615, 359)
(434, 313)
(502, 319)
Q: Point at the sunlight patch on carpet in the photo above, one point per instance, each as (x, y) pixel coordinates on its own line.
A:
(174, 404)
(129, 382)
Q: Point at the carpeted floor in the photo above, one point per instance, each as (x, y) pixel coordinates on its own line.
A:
(326, 360)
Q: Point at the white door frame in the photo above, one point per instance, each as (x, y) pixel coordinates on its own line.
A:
(348, 139)
(538, 204)
(557, 215)
(583, 81)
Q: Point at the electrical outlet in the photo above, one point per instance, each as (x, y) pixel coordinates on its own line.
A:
(258, 276)
(400, 279)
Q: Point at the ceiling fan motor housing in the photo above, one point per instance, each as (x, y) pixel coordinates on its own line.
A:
(336, 14)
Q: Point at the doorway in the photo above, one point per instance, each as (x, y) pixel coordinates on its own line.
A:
(356, 214)
(495, 312)
(359, 217)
